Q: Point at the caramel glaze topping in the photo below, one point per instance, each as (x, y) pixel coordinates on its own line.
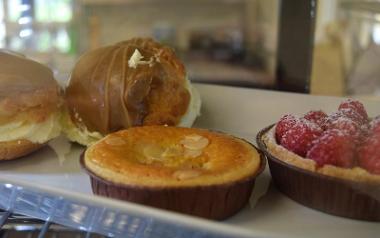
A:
(27, 89)
(106, 94)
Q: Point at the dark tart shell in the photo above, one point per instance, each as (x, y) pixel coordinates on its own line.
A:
(340, 197)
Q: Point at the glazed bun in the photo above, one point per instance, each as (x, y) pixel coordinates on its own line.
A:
(17, 148)
(30, 103)
(132, 83)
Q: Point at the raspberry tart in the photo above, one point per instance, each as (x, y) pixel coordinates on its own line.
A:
(328, 162)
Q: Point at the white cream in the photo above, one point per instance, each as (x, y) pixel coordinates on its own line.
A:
(80, 134)
(61, 146)
(35, 132)
(194, 109)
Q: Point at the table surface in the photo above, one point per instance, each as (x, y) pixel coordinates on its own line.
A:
(242, 112)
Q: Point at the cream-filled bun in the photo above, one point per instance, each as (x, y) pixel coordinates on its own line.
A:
(132, 83)
(30, 104)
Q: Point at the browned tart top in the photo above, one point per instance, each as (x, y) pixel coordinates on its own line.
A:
(158, 156)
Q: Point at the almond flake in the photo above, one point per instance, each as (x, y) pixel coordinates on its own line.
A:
(194, 142)
(193, 137)
(192, 153)
(186, 174)
(154, 152)
(172, 152)
(136, 59)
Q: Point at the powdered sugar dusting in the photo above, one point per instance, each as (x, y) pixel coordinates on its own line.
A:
(369, 154)
(354, 110)
(318, 117)
(310, 124)
(278, 151)
(299, 138)
(351, 113)
(338, 134)
(354, 105)
(375, 120)
(374, 125)
(347, 126)
(333, 147)
(285, 123)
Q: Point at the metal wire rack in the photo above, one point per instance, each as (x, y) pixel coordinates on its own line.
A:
(20, 226)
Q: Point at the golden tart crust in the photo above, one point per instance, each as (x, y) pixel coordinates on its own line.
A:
(157, 156)
(354, 174)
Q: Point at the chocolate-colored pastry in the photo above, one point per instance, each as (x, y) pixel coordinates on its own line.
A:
(30, 103)
(187, 170)
(132, 83)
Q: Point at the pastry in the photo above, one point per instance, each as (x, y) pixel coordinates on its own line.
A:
(187, 170)
(132, 83)
(30, 103)
(328, 162)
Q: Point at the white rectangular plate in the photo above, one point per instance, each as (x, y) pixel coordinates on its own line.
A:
(45, 186)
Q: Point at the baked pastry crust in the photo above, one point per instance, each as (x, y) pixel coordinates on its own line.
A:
(28, 90)
(29, 96)
(119, 158)
(353, 174)
(215, 182)
(17, 148)
(106, 94)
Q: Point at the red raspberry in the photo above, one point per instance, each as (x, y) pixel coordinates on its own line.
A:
(356, 117)
(374, 126)
(334, 148)
(347, 126)
(331, 118)
(369, 154)
(299, 138)
(354, 110)
(285, 123)
(318, 117)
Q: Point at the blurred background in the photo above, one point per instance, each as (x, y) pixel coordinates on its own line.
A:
(231, 42)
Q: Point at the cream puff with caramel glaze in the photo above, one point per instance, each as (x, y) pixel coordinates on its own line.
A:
(188, 170)
(132, 83)
(30, 103)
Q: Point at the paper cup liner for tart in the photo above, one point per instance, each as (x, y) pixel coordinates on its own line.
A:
(336, 196)
(215, 202)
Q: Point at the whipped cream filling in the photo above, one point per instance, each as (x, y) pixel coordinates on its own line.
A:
(35, 132)
(79, 134)
(194, 109)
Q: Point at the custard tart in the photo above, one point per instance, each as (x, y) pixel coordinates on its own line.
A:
(193, 171)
